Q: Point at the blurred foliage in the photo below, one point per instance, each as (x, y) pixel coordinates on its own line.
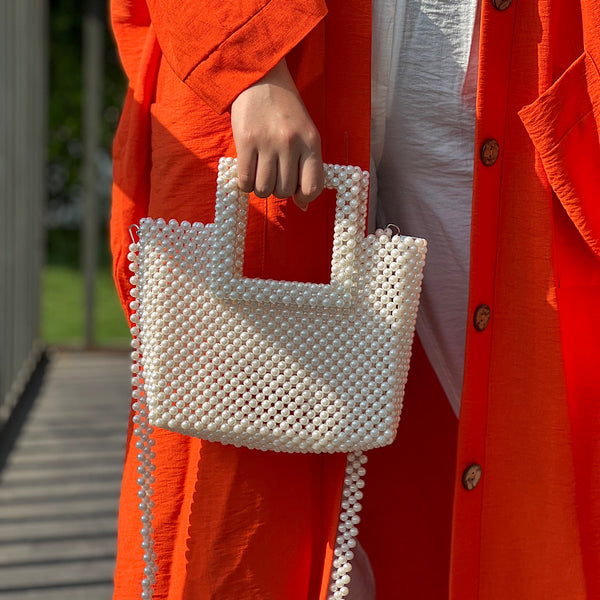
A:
(63, 248)
(62, 308)
(65, 111)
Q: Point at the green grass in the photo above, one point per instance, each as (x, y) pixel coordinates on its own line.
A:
(63, 308)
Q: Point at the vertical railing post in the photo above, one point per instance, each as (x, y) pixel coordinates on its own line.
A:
(23, 122)
(93, 48)
(5, 195)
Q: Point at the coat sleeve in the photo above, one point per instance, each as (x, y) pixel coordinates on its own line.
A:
(220, 47)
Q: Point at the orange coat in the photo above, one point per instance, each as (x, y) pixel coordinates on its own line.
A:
(250, 525)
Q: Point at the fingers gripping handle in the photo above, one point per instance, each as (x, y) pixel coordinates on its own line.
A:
(231, 215)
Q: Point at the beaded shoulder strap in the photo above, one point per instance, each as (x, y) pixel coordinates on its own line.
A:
(350, 505)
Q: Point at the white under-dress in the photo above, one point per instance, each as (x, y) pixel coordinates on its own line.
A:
(425, 55)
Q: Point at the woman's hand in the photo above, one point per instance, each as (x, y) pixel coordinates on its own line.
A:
(278, 145)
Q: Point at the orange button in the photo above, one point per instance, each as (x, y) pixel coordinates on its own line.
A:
(481, 317)
(501, 4)
(489, 152)
(471, 477)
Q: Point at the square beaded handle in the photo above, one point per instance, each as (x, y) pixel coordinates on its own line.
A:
(231, 215)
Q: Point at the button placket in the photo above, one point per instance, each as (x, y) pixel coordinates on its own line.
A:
(497, 28)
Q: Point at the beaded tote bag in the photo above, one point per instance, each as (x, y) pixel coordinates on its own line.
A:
(273, 365)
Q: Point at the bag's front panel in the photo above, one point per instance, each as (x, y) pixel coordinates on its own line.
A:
(267, 376)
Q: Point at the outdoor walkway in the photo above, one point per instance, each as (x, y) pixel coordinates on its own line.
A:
(59, 489)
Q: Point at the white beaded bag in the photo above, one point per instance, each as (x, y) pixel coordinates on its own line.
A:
(272, 365)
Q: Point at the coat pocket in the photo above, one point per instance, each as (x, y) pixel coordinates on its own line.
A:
(563, 124)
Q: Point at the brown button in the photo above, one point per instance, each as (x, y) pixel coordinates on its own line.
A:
(501, 4)
(489, 152)
(481, 318)
(471, 477)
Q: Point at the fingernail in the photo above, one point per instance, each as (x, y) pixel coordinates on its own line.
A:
(302, 207)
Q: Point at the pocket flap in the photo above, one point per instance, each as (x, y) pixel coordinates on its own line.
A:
(563, 124)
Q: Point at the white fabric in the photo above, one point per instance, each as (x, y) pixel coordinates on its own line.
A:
(423, 119)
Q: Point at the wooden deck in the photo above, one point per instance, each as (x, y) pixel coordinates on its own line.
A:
(60, 484)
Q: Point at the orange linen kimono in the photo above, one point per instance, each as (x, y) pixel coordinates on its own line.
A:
(248, 525)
